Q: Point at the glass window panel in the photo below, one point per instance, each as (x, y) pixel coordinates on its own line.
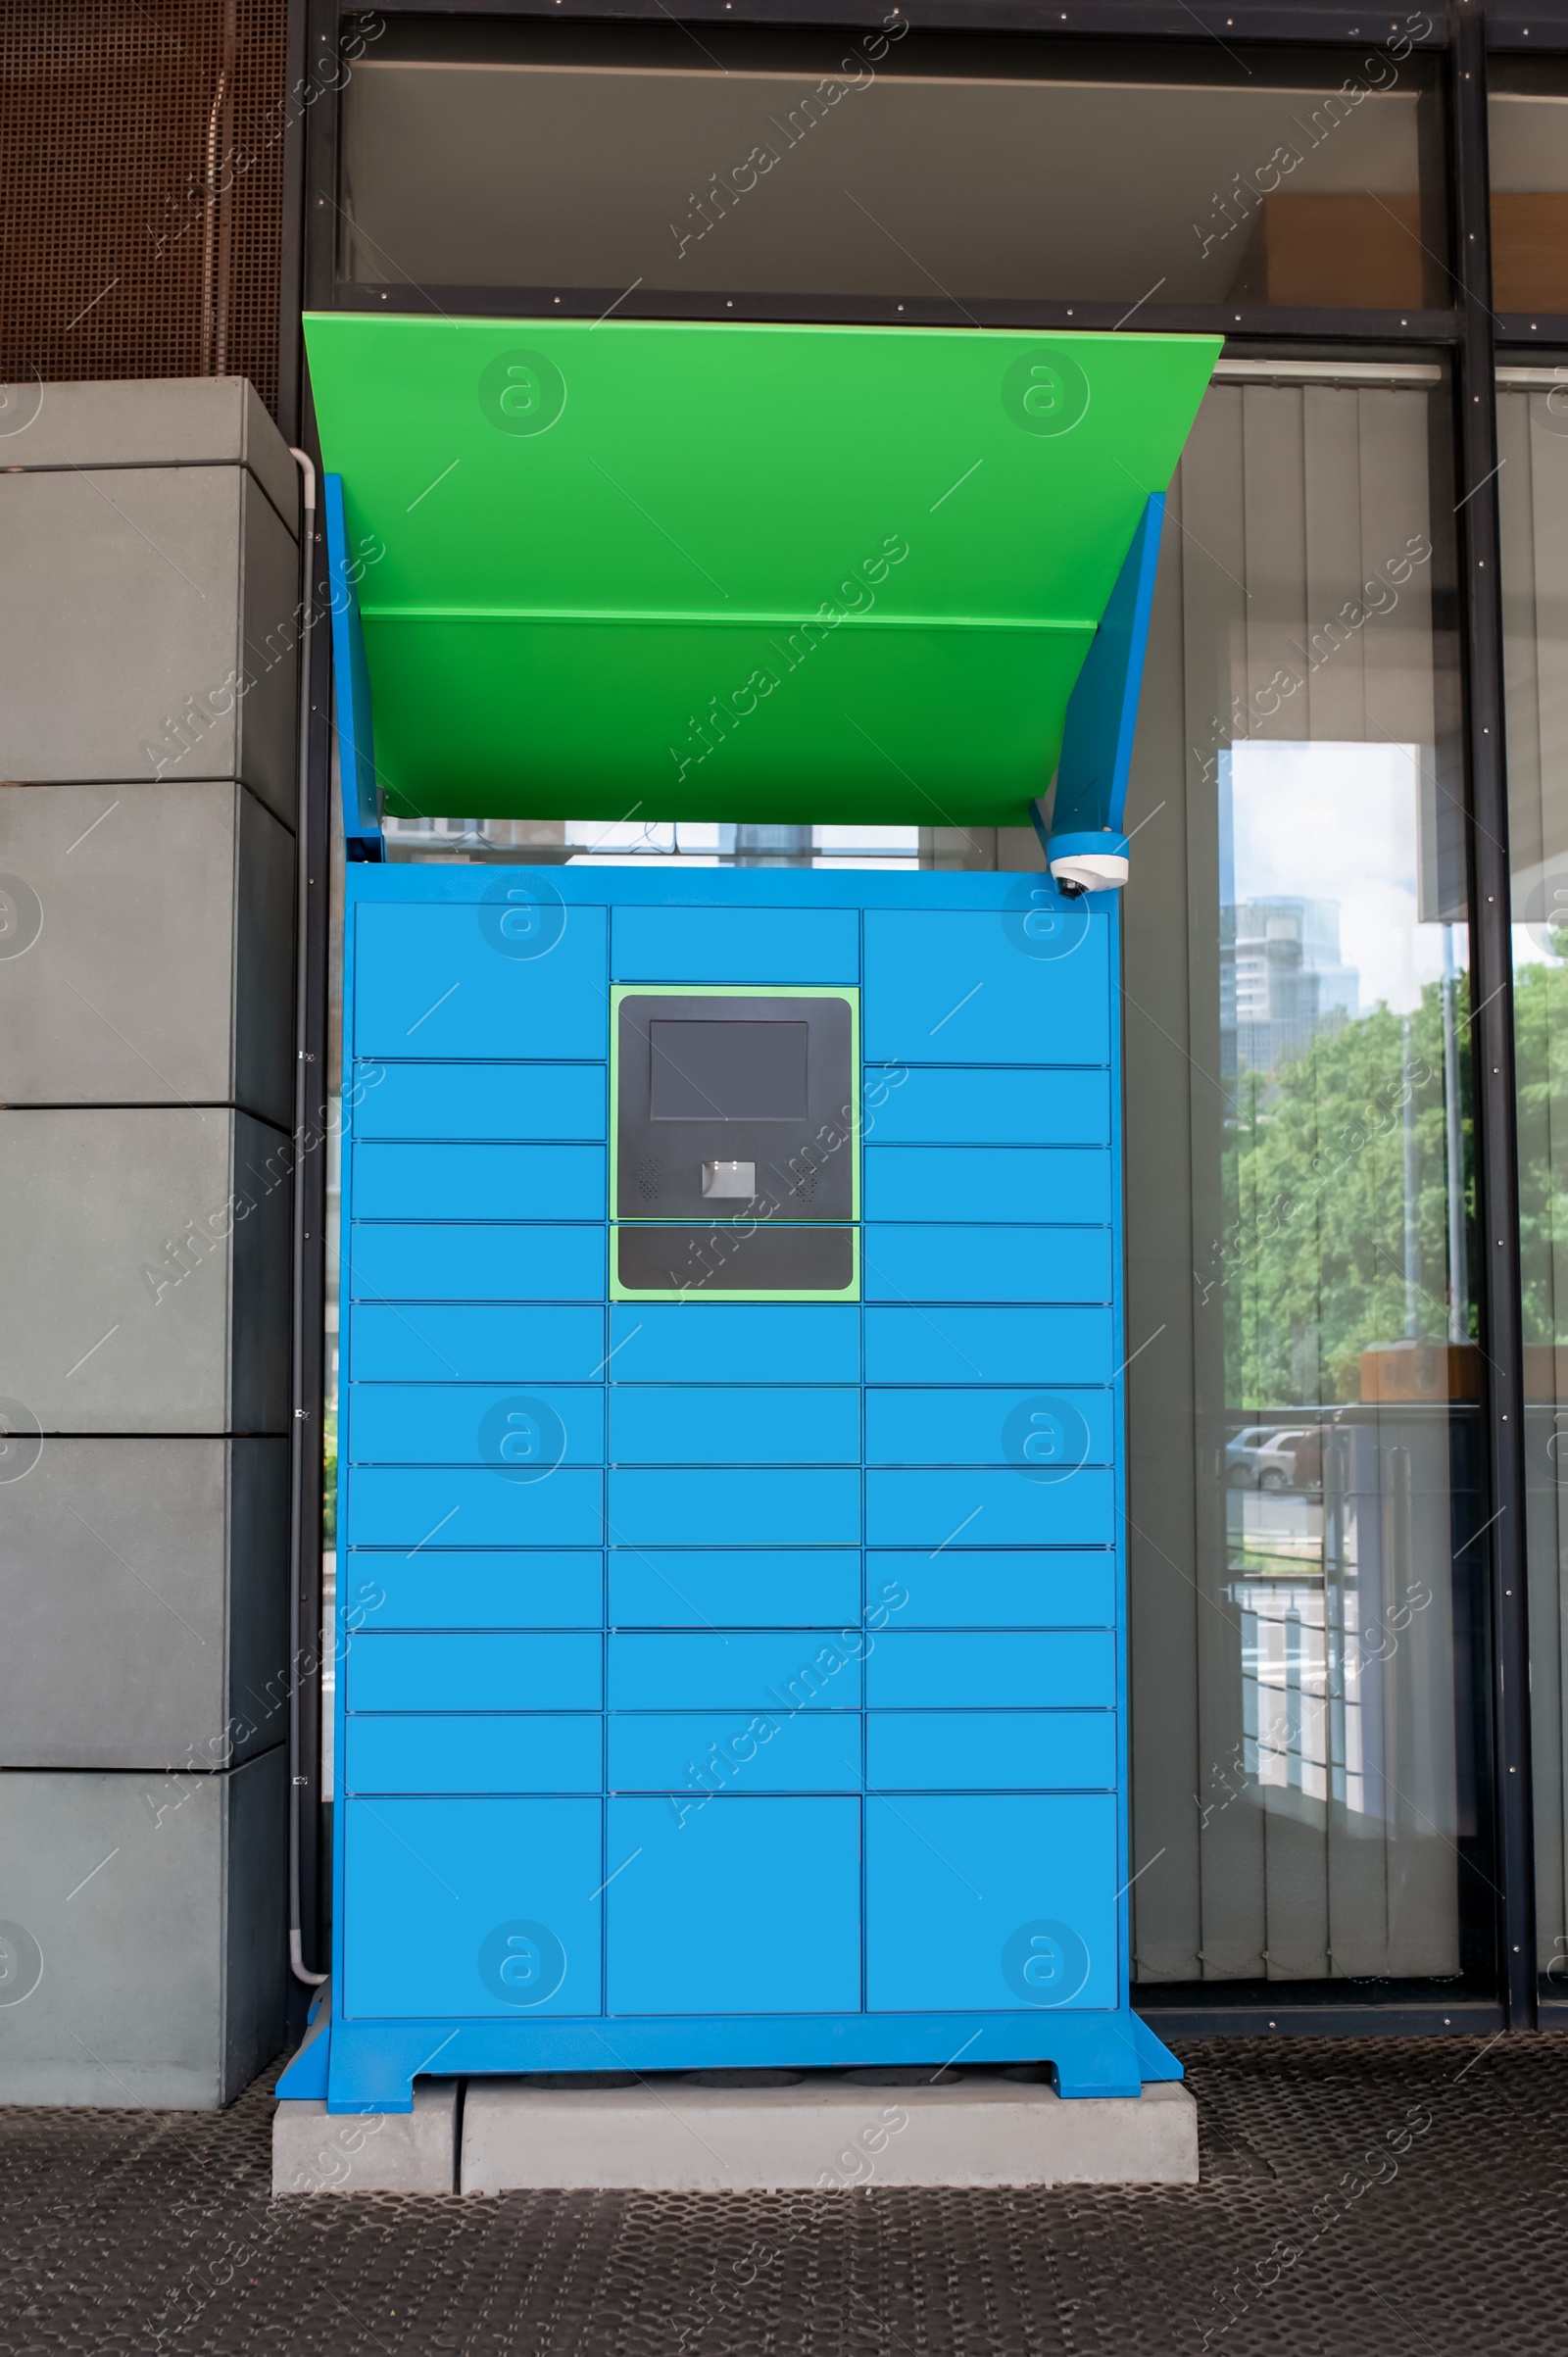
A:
(896, 166)
(1532, 489)
(1526, 123)
(1305, 1446)
(575, 841)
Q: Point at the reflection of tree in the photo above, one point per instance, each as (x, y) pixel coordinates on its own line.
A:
(329, 1477)
(1314, 1186)
(1540, 1049)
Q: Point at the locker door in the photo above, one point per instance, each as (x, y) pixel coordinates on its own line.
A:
(991, 1903)
(741, 1905)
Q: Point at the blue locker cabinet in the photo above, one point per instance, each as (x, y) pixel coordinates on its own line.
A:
(731, 1627)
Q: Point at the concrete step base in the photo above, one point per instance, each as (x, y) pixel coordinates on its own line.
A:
(370, 2152)
(824, 2131)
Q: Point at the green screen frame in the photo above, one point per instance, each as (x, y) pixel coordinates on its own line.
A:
(849, 993)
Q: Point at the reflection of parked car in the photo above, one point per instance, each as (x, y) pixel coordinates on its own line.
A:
(1263, 1458)
(1308, 1453)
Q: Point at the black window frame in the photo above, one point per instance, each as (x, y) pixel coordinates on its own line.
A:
(1471, 340)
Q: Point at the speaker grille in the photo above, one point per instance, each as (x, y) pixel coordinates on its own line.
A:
(141, 165)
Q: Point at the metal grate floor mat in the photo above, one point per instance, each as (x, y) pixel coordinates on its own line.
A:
(1396, 2197)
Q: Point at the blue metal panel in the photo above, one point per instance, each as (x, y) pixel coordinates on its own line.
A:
(493, 1671)
(736, 946)
(506, 1754)
(351, 682)
(989, 1509)
(433, 981)
(479, 1343)
(527, 1434)
(416, 1181)
(707, 1915)
(481, 1879)
(1008, 1588)
(908, 1105)
(990, 1750)
(409, 1506)
(777, 1587)
(947, 988)
(1018, 1894)
(441, 1590)
(480, 1100)
(699, 1754)
(400, 1263)
(997, 1344)
(1054, 1431)
(1101, 720)
(780, 1671)
(802, 1509)
(755, 1342)
(988, 1264)
(1066, 1669)
(1064, 1185)
(697, 1426)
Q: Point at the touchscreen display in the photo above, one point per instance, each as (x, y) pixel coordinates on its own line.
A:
(727, 1072)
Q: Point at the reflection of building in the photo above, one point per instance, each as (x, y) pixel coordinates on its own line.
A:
(1281, 981)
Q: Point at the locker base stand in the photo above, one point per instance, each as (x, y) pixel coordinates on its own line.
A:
(371, 2067)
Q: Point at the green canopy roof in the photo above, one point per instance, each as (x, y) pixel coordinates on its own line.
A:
(679, 571)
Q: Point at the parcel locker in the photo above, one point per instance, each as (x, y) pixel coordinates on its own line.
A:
(731, 1613)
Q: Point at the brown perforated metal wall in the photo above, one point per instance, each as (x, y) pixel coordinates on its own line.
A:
(141, 179)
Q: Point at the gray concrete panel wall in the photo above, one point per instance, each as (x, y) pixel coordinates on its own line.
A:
(255, 1975)
(148, 724)
(262, 966)
(144, 1935)
(184, 421)
(147, 619)
(144, 1269)
(149, 1568)
(257, 1362)
(147, 956)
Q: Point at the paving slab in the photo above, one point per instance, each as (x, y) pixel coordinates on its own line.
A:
(819, 2132)
(372, 2152)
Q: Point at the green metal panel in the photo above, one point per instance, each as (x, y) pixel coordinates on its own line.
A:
(676, 571)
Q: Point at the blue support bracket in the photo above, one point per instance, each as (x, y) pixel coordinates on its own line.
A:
(1083, 841)
(307, 2073)
(362, 797)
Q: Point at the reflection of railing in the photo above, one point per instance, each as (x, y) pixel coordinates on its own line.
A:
(1355, 1668)
(1284, 1726)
